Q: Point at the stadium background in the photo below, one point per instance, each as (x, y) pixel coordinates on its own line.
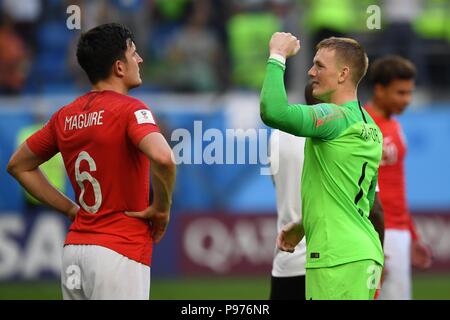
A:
(204, 61)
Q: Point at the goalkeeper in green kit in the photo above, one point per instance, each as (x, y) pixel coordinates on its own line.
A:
(342, 154)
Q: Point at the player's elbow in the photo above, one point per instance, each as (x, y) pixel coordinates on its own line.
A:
(265, 116)
(165, 159)
(12, 167)
(268, 118)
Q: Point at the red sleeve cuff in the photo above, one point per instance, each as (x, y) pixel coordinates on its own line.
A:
(140, 133)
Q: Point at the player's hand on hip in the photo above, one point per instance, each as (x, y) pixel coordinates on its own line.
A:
(421, 256)
(158, 219)
(147, 213)
(159, 226)
(284, 44)
(290, 236)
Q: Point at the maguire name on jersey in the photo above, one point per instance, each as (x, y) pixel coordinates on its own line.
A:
(84, 120)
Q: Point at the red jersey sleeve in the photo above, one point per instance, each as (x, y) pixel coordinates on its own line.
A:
(140, 123)
(43, 142)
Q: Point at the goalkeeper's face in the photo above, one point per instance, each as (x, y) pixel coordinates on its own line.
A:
(132, 77)
(324, 74)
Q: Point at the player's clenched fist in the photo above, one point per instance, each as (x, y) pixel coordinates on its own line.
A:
(284, 44)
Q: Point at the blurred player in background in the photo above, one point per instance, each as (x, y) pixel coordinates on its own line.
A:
(342, 154)
(288, 270)
(393, 80)
(53, 169)
(107, 140)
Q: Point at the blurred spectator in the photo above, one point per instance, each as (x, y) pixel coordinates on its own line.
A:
(398, 36)
(249, 31)
(289, 17)
(165, 22)
(53, 169)
(171, 10)
(288, 14)
(204, 45)
(25, 14)
(432, 24)
(220, 13)
(135, 14)
(327, 18)
(14, 59)
(195, 53)
(433, 20)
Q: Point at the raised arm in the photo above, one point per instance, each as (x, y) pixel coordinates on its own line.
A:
(323, 121)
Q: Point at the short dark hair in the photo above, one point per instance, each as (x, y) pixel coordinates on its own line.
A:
(349, 51)
(388, 68)
(100, 47)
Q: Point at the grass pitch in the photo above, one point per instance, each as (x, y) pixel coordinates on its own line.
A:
(425, 286)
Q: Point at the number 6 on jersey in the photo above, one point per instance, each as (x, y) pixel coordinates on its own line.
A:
(82, 176)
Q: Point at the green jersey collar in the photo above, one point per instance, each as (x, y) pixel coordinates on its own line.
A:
(354, 103)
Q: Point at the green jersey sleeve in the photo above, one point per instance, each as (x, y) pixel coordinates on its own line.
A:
(324, 121)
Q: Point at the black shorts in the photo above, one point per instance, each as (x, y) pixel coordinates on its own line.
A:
(287, 288)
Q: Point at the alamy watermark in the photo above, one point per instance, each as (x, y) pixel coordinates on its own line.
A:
(73, 280)
(374, 277)
(374, 20)
(73, 21)
(229, 147)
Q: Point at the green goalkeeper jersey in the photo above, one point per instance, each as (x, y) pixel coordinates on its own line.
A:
(342, 154)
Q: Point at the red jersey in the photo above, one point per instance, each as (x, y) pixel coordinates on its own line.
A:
(98, 135)
(391, 174)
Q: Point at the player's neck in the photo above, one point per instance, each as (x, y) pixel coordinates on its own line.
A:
(378, 109)
(341, 97)
(110, 85)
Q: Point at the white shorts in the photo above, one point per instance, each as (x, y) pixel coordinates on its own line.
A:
(286, 264)
(92, 272)
(397, 265)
